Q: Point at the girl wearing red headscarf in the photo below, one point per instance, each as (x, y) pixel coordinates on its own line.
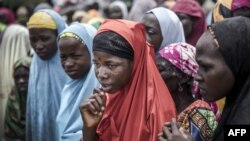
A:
(133, 102)
(192, 18)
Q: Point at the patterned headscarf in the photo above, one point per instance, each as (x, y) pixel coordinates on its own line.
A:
(182, 56)
(224, 8)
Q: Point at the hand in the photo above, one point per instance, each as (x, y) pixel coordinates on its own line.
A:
(172, 133)
(92, 109)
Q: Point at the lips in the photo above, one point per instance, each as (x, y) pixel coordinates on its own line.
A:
(71, 72)
(203, 91)
(106, 87)
(41, 53)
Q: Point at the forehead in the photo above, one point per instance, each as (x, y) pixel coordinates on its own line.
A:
(72, 45)
(206, 48)
(103, 56)
(39, 31)
(21, 69)
(150, 19)
(115, 8)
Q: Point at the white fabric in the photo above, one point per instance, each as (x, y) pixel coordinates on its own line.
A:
(171, 27)
(122, 6)
(15, 45)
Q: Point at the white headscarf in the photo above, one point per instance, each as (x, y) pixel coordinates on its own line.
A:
(15, 45)
(171, 26)
(122, 6)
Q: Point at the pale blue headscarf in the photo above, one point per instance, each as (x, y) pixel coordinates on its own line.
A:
(69, 122)
(46, 82)
(171, 27)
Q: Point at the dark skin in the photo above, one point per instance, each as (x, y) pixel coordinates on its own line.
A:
(115, 13)
(212, 69)
(244, 11)
(174, 78)
(171, 132)
(21, 77)
(187, 23)
(108, 70)
(153, 30)
(44, 42)
(75, 57)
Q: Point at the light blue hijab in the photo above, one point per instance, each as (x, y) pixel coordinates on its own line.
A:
(171, 27)
(46, 82)
(69, 122)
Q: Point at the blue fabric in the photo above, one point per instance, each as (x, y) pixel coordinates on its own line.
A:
(195, 132)
(69, 122)
(46, 82)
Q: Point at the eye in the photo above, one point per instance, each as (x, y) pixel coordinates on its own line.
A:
(97, 65)
(150, 32)
(63, 57)
(44, 38)
(77, 56)
(205, 67)
(111, 66)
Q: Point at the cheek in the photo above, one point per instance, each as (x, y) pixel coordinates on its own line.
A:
(122, 77)
(84, 65)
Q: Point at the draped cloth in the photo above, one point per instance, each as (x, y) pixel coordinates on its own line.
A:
(233, 38)
(193, 9)
(171, 27)
(122, 5)
(46, 82)
(69, 121)
(224, 8)
(14, 127)
(138, 111)
(14, 46)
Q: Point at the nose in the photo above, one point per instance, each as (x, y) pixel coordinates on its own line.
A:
(102, 73)
(21, 81)
(39, 45)
(68, 63)
(198, 77)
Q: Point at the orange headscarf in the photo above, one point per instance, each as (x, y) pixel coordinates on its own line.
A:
(139, 110)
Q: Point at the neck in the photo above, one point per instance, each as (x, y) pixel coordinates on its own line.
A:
(183, 100)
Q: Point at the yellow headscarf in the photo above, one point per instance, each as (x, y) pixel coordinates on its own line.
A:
(41, 20)
(217, 16)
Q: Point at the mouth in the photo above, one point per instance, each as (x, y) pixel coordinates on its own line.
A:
(203, 91)
(41, 54)
(71, 72)
(106, 87)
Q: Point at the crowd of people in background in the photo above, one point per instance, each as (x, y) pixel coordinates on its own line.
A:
(122, 70)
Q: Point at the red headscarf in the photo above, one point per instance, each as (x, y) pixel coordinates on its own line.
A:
(139, 110)
(193, 9)
(8, 14)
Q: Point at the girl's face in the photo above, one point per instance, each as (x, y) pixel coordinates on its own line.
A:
(153, 30)
(170, 74)
(75, 57)
(112, 72)
(187, 23)
(115, 13)
(21, 77)
(43, 42)
(214, 76)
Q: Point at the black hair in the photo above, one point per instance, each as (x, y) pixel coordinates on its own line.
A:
(113, 43)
